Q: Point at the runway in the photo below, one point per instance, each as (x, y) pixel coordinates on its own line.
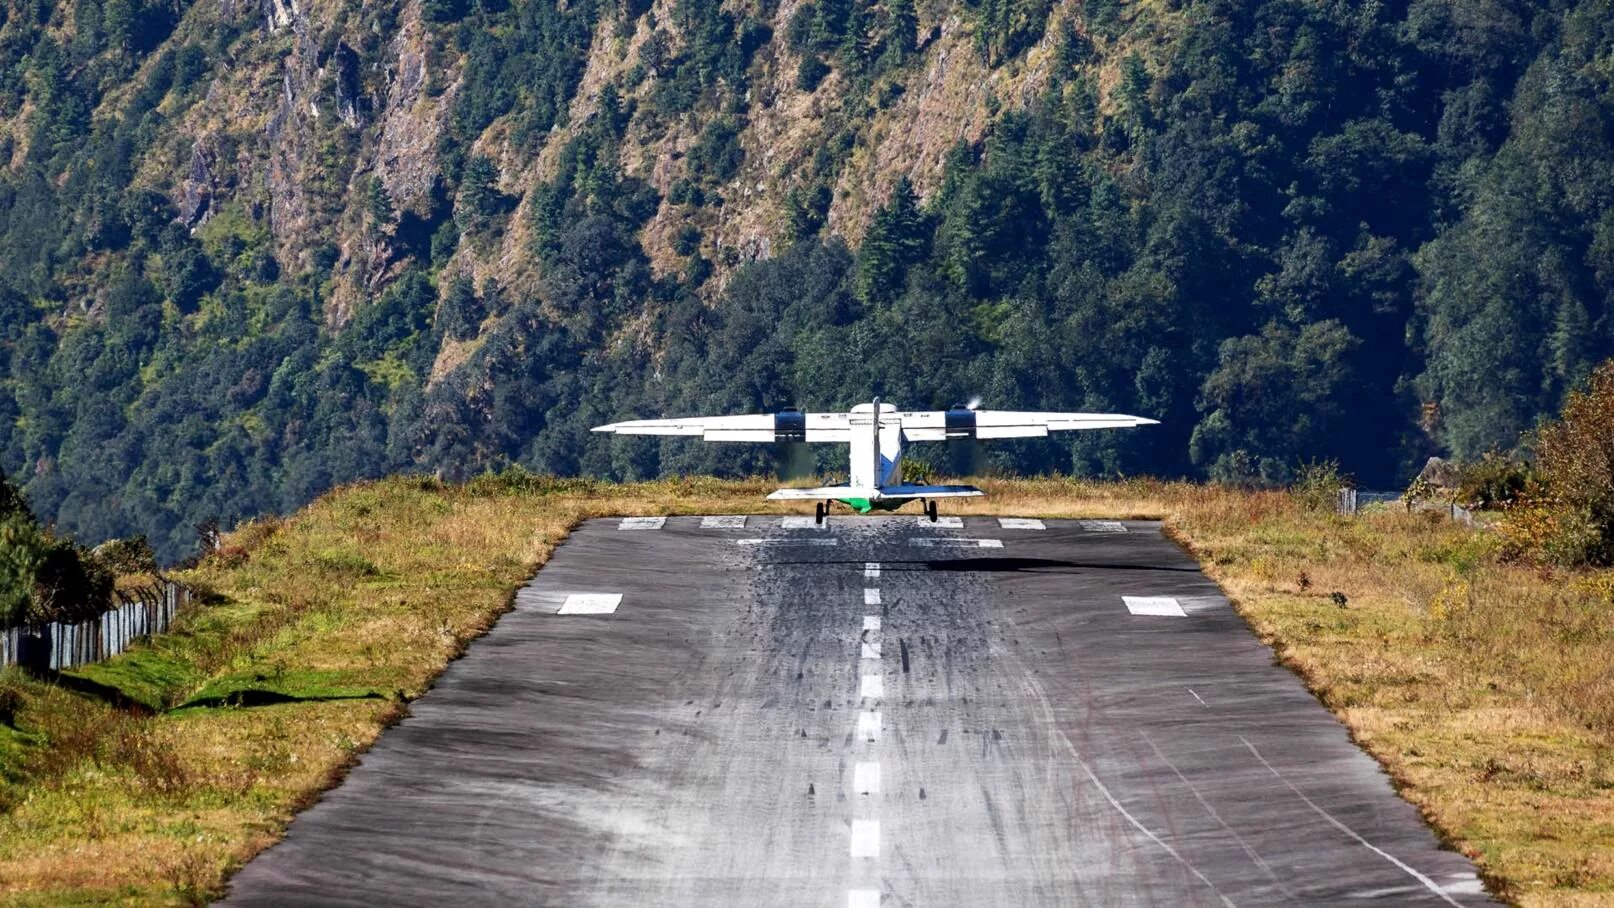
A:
(883, 712)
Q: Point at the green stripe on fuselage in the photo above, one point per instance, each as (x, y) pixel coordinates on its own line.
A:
(864, 505)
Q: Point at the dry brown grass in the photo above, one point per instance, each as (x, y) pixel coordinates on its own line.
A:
(1484, 687)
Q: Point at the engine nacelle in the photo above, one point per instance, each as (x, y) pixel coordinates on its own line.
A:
(960, 422)
(790, 426)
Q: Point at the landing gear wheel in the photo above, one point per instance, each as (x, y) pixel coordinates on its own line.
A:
(930, 510)
(819, 511)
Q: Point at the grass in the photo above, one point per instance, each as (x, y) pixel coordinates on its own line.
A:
(1487, 689)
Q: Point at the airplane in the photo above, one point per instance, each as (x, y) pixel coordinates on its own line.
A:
(877, 434)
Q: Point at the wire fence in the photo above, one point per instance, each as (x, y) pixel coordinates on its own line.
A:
(58, 645)
(1353, 500)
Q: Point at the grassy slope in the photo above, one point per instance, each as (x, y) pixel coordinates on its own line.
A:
(1484, 687)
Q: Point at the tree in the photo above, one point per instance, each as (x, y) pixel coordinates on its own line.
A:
(1275, 398)
(460, 313)
(379, 203)
(897, 237)
(480, 200)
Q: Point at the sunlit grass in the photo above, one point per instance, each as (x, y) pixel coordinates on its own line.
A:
(1484, 687)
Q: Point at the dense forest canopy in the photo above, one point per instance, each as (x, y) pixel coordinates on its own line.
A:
(1289, 230)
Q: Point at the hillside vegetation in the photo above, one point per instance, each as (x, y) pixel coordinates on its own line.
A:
(1480, 683)
(252, 250)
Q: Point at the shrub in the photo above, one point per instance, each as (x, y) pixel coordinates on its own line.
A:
(1317, 485)
(11, 500)
(1569, 519)
(810, 73)
(1495, 481)
(44, 578)
(131, 555)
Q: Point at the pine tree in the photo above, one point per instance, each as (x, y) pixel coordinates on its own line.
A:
(479, 200)
(896, 239)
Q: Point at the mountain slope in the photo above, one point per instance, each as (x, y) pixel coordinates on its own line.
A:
(253, 250)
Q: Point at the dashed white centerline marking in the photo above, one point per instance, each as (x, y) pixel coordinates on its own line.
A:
(1020, 523)
(734, 522)
(642, 523)
(868, 725)
(871, 622)
(1156, 606)
(873, 687)
(928, 541)
(801, 523)
(865, 838)
(590, 604)
(871, 649)
(866, 778)
(787, 542)
(949, 523)
(871, 570)
(863, 898)
(871, 597)
(1198, 697)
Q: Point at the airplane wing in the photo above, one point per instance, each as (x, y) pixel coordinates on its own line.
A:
(839, 493)
(822, 493)
(784, 426)
(940, 425)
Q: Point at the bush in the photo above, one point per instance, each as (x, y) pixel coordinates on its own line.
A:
(1569, 519)
(44, 578)
(132, 555)
(810, 73)
(11, 501)
(1317, 485)
(1493, 482)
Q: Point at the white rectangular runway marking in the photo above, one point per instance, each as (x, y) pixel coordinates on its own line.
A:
(800, 523)
(1157, 606)
(590, 604)
(1020, 523)
(932, 541)
(1102, 526)
(787, 542)
(865, 838)
(871, 650)
(948, 523)
(863, 898)
(873, 687)
(730, 522)
(866, 778)
(868, 725)
(871, 622)
(871, 570)
(871, 597)
(642, 523)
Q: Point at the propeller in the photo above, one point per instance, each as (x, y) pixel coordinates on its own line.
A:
(792, 455)
(966, 456)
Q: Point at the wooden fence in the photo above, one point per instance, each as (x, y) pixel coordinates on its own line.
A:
(57, 646)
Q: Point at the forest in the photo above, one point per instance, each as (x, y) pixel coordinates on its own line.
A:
(1291, 231)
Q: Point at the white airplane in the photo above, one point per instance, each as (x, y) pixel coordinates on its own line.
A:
(876, 433)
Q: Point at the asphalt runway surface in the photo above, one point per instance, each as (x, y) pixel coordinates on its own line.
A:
(884, 712)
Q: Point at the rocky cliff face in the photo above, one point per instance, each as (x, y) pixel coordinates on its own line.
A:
(311, 103)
